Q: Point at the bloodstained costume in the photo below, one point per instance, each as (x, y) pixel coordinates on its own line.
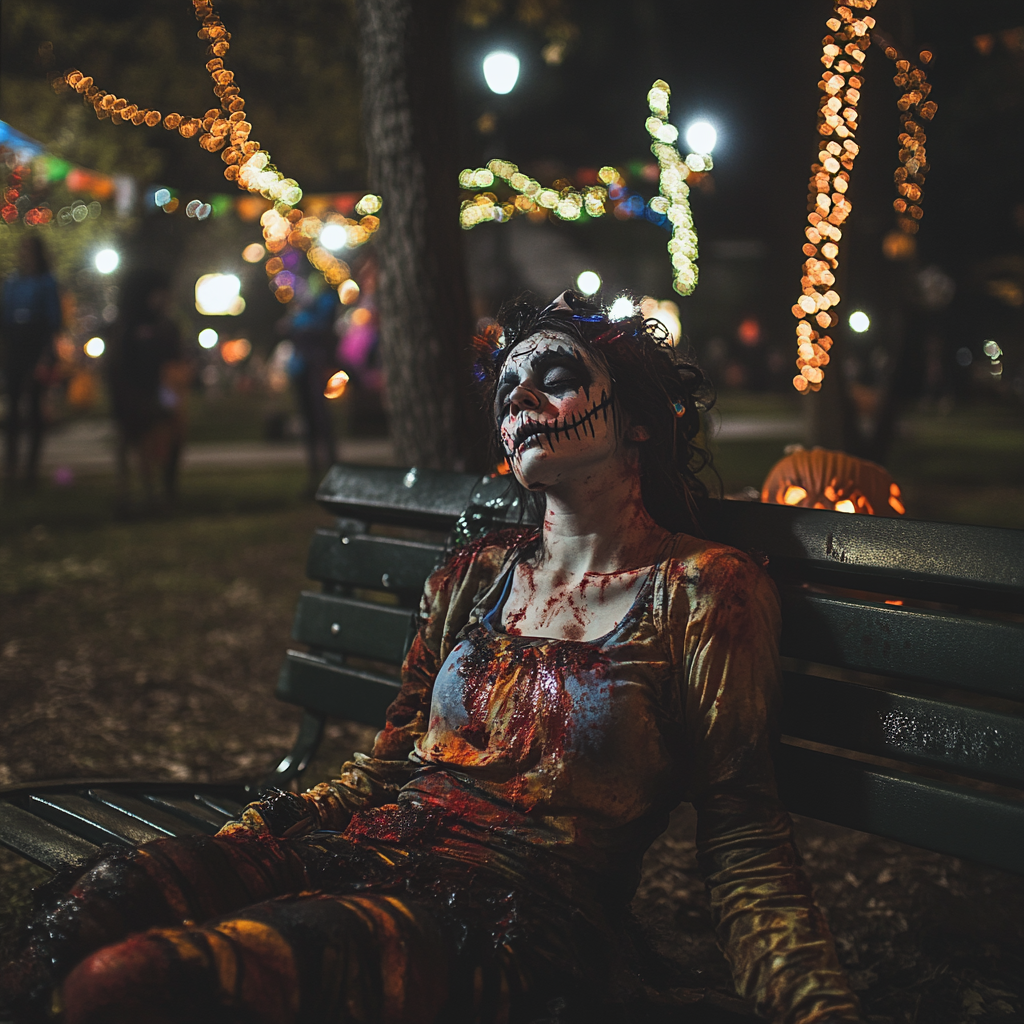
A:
(497, 832)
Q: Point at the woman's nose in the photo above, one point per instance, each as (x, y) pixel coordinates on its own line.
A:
(522, 398)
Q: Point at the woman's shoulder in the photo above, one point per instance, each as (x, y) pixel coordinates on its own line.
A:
(707, 565)
(486, 555)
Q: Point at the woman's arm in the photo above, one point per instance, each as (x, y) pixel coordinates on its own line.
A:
(370, 781)
(775, 939)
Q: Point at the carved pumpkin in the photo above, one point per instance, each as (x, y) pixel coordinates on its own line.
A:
(832, 480)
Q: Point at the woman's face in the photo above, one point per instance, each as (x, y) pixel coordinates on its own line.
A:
(554, 411)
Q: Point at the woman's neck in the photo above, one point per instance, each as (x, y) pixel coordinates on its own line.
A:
(598, 523)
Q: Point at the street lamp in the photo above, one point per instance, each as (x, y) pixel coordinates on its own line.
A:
(501, 71)
(106, 261)
(701, 137)
(859, 321)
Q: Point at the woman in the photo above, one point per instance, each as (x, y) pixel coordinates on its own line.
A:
(567, 687)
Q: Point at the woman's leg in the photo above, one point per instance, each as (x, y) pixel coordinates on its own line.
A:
(321, 958)
(167, 882)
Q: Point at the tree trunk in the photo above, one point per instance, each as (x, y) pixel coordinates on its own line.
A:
(425, 320)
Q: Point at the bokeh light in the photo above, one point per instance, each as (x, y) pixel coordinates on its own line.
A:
(334, 236)
(348, 292)
(235, 350)
(336, 385)
(208, 337)
(622, 308)
(253, 252)
(701, 137)
(106, 261)
(501, 71)
(859, 321)
(588, 282)
(95, 347)
(217, 295)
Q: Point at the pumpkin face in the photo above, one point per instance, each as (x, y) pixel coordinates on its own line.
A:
(832, 480)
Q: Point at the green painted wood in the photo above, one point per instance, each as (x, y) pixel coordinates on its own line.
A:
(40, 841)
(974, 566)
(373, 563)
(921, 812)
(957, 739)
(425, 498)
(348, 626)
(966, 651)
(319, 686)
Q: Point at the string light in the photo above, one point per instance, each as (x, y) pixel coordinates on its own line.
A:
(566, 202)
(673, 201)
(224, 129)
(562, 199)
(914, 106)
(843, 54)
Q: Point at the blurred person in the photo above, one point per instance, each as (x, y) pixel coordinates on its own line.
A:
(31, 319)
(311, 329)
(148, 374)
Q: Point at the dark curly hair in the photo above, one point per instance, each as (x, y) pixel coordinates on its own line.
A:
(651, 383)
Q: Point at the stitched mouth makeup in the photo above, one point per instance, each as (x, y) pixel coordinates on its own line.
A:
(536, 433)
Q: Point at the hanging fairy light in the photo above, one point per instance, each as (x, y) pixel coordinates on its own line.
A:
(566, 202)
(843, 54)
(673, 201)
(224, 129)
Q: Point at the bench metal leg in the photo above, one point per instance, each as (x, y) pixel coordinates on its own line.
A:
(296, 761)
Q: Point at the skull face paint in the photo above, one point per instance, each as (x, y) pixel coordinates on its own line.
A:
(555, 410)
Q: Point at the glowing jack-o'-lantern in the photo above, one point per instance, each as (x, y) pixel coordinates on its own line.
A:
(832, 480)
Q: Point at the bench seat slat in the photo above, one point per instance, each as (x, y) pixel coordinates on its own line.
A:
(349, 626)
(961, 740)
(349, 693)
(921, 812)
(984, 655)
(40, 840)
(374, 563)
(974, 566)
(165, 821)
(91, 820)
(205, 818)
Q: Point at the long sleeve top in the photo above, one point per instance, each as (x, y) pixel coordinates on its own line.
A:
(562, 759)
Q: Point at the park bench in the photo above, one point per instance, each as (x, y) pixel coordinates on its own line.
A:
(903, 651)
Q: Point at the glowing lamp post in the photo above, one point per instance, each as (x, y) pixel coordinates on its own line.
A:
(106, 261)
(501, 71)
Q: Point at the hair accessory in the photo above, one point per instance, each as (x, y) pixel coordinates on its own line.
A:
(679, 409)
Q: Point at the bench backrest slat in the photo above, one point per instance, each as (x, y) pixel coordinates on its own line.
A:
(345, 625)
(983, 655)
(353, 694)
(973, 742)
(374, 563)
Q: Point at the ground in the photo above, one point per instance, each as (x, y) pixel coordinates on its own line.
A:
(149, 647)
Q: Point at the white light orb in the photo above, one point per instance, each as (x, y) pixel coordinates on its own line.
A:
(208, 337)
(588, 282)
(217, 295)
(95, 347)
(701, 137)
(501, 71)
(622, 308)
(106, 261)
(334, 236)
(859, 321)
